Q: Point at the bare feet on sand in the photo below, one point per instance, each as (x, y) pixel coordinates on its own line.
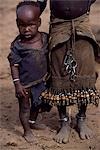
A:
(63, 134)
(38, 126)
(29, 137)
(84, 131)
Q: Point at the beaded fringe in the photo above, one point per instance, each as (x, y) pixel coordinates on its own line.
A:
(63, 97)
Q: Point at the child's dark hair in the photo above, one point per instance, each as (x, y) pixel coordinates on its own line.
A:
(39, 4)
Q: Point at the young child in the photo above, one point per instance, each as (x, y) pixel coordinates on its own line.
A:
(72, 49)
(28, 63)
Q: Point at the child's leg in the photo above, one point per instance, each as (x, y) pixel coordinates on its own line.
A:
(24, 112)
(33, 116)
(64, 132)
(35, 106)
(84, 131)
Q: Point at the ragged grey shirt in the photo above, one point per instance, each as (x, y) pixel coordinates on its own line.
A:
(32, 62)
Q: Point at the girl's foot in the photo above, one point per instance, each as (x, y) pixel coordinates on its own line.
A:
(63, 134)
(84, 131)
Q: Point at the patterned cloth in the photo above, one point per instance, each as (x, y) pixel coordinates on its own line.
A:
(64, 28)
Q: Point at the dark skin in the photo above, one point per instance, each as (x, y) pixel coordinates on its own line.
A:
(83, 130)
(64, 133)
(28, 22)
(29, 37)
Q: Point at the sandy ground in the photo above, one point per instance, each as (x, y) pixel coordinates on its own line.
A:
(10, 127)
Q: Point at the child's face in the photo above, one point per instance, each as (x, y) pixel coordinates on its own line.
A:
(28, 21)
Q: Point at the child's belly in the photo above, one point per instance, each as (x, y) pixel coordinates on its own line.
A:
(69, 9)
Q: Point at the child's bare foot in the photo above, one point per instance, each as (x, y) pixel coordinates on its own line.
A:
(29, 137)
(63, 134)
(38, 126)
(84, 131)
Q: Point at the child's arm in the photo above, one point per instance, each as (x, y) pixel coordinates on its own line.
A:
(19, 89)
(14, 60)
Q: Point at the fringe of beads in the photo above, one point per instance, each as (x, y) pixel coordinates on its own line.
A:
(63, 97)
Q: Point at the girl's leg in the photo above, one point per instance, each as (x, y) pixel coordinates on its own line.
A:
(64, 132)
(84, 131)
(86, 69)
(24, 113)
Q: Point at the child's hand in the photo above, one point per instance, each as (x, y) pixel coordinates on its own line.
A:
(20, 90)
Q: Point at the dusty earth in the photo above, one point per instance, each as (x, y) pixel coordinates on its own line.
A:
(10, 127)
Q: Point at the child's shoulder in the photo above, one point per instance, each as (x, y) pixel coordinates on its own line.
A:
(45, 36)
(13, 43)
